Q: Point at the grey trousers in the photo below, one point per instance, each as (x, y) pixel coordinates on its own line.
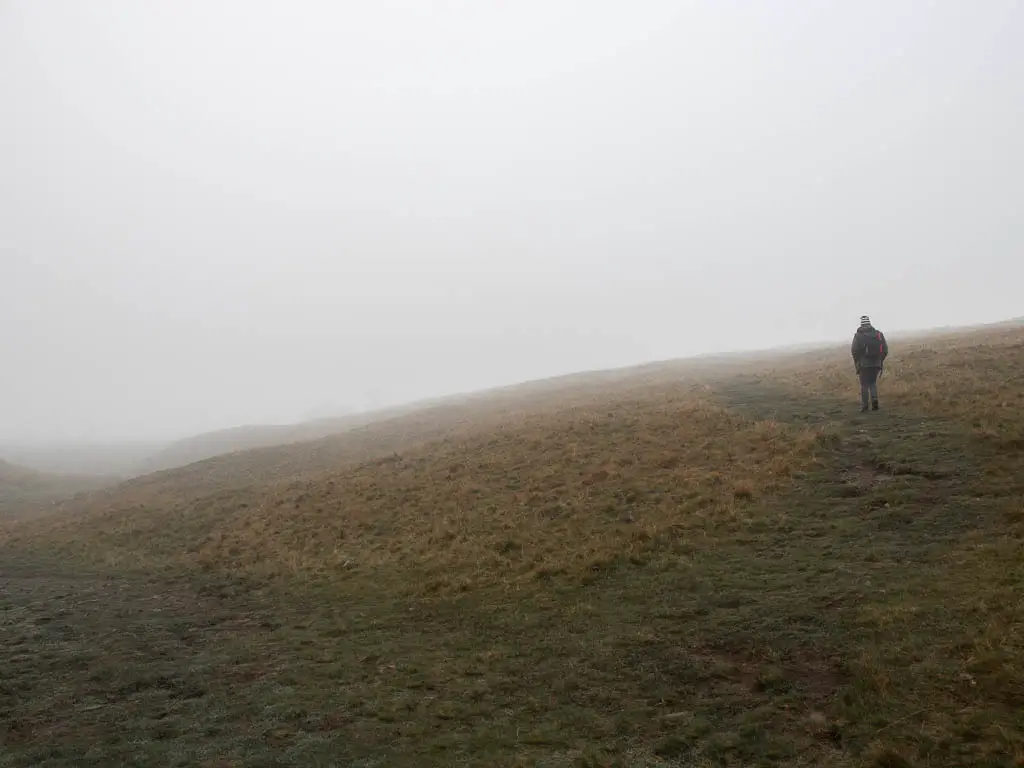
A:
(868, 386)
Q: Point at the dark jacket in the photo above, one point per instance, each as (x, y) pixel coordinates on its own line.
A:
(859, 348)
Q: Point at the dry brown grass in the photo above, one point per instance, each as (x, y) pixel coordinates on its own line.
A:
(605, 484)
(520, 496)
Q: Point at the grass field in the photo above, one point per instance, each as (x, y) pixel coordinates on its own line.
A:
(683, 566)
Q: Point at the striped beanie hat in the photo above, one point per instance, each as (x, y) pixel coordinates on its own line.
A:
(865, 321)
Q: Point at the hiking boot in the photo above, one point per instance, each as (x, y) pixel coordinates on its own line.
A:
(874, 405)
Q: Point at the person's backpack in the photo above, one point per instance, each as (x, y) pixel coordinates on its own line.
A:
(871, 346)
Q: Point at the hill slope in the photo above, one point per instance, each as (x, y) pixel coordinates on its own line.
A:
(22, 490)
(294, 455)
(240, 439)
(240, 451)
(722, 567)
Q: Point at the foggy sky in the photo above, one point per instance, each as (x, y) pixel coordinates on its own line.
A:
(216, 213)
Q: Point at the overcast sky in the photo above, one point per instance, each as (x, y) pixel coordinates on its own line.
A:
(215, 213)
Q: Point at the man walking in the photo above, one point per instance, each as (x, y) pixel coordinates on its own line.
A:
(869, 350)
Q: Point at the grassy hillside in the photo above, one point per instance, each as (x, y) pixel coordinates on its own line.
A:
(23, 490)
(326, 442)
(240, 439)
(672, 566)
(385, 433)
